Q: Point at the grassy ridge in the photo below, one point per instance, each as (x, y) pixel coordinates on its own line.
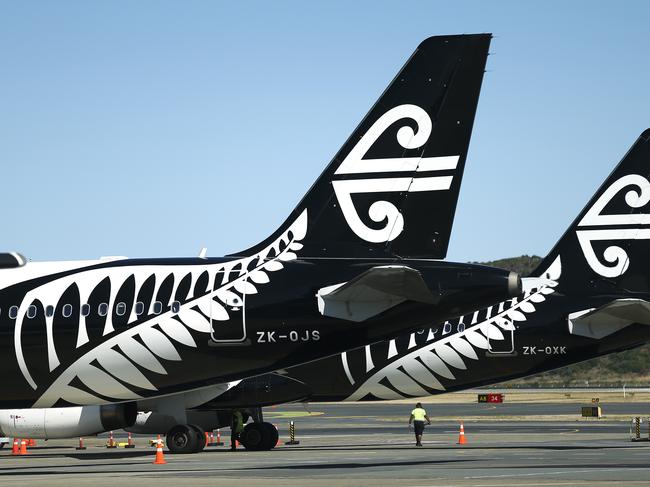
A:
(631, 367)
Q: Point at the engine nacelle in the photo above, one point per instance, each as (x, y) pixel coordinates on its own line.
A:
(66, 422)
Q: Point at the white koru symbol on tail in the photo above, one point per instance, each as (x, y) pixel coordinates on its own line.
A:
(355, 164)
(628, 225)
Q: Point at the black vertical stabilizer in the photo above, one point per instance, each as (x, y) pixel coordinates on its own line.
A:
(391, 190)
(607, 248)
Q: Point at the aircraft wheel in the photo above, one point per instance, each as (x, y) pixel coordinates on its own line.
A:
(253, 436)
(200, 437)
(270, 436)
(182, 439)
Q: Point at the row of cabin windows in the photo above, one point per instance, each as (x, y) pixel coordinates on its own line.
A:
(102, 309)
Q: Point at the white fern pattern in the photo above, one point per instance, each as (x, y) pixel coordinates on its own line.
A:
(426, 365)
(114, 367)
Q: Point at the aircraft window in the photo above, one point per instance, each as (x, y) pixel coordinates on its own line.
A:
(13, 312)
(461, 327)
(446, 328)
(67, 310)
(85, 309)
(176, 307)
(49, 311)
(139, 308)
(157, 307)
(31, 311)
(103, 309)
(120, 309)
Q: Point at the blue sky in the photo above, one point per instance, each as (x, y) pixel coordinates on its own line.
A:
(156, 128)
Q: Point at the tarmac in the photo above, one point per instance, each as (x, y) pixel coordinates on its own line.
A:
(371, 445)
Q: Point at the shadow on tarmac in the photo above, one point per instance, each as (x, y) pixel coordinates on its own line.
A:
(140, 453)
(324, 466)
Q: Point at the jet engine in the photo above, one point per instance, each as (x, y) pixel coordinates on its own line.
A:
(66, 422)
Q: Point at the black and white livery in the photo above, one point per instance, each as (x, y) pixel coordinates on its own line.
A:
(352, 264)
(569, 311)
(589, 297)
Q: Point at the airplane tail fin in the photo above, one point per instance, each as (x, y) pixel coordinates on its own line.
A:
(392, 189)
(606, 248)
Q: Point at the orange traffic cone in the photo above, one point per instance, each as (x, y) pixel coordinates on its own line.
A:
(210, 441)
(111, 441)
(31, 443)
(461, 435)
(81, 444)
(277, 443)
(219, 442)
(160, 459)
(23, 447)
(15, 450)
(130, 443)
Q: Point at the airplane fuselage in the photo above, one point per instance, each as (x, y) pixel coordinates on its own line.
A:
(127, 329)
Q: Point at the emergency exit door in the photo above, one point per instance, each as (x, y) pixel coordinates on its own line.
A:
(228, 315)
(501, 338)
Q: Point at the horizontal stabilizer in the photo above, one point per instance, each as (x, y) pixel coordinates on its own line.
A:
(10, 260)
(373, 292)
(614, 316)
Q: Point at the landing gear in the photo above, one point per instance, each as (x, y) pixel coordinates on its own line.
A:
(259, 436)
(271, 436)
(200, 438)
(185, 438)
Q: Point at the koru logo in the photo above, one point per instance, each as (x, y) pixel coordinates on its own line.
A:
(355, 164)
(625, 226)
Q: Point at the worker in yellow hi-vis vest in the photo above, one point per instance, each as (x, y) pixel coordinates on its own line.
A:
(236, 427)
(418, 416)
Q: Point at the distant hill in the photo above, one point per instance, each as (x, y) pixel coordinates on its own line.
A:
(522, 265)
(631, 367)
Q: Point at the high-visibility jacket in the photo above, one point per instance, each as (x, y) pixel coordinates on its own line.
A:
(238, 421)
(418, 414)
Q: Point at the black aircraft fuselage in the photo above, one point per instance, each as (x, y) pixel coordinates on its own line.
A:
(353, 263)
(173, 326)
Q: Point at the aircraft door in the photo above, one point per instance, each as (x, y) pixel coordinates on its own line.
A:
(228, 316)
(501, 338)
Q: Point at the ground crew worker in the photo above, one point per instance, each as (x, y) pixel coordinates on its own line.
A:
(236, 427)
(418, 416)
